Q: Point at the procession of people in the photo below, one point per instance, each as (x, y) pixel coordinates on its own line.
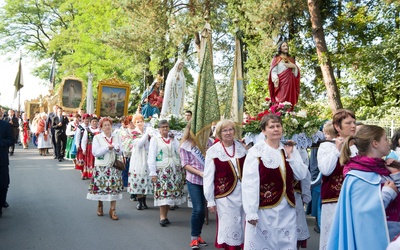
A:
(257, 192)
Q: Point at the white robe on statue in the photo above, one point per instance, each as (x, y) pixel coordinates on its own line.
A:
(174, 94)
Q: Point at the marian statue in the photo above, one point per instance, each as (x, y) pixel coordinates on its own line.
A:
(174, 94)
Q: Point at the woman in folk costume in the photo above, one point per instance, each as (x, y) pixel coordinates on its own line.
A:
(126, 134)
(25, 131)
(44, 139)
(149, 99)
(344, 123)
(166, 171)
(80, 157)
(106, 184)
(139, 182)
(70, 149)
(367, 190)
(393, 210)
(86, 145)
(269, 172)
(174, 95)
(222, 183)
(302, 194)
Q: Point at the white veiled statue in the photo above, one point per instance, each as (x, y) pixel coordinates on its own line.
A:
(174, 93)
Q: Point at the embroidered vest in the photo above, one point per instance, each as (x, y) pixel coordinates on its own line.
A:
(108, 158)
(275, 185)
(166, 154)
(331, 185)
(91, 135)
(393, 210)
(225, 177)
(82, 130)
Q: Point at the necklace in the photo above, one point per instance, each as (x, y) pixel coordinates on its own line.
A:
(233, 154)
(166, 141)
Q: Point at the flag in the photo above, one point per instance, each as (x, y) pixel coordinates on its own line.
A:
(234, 108)
(89, 95)
(206, 107)
(52, 77)
(19, 80)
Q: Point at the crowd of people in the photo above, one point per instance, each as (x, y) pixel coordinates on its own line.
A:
(258, 192)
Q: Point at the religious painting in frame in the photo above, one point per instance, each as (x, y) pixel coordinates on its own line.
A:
(113, 98)
(31, 107)
(71, 94)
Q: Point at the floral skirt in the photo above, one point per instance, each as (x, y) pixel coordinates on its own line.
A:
(168, 190)
(139, 183)
(80, 160)
(106, 184)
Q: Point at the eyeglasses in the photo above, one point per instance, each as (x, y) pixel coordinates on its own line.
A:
(164, 126)
(228, 130)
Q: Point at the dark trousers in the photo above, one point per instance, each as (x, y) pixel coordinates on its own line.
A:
(61, 143)
(125, 173)
(199, 207)
(11, 148)
(4, 182)
(53, 141)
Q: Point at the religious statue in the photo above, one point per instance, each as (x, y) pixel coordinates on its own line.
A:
(174, 91)
(284, 77)
(150, 99)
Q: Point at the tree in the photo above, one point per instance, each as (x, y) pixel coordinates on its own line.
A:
(323, 56)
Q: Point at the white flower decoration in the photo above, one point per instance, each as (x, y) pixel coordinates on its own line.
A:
(302, 114)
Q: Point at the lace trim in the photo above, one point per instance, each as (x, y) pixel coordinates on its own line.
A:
(271, 158)
(217, 151)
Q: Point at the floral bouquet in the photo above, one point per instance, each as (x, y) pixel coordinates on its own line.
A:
(297, 126)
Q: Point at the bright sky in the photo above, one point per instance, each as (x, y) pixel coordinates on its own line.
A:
(33, 86)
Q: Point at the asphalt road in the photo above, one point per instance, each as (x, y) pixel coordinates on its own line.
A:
(48, 210)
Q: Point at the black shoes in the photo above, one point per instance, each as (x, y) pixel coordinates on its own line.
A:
(6, 205)
(133, 197)
(164, 222)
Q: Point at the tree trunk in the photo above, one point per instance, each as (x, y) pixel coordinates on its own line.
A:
(323, 56)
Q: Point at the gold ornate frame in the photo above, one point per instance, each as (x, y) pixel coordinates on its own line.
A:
(31, 107)
(112, 98)
(72, 93)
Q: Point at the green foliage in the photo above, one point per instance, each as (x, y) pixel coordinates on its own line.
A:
(135, 40)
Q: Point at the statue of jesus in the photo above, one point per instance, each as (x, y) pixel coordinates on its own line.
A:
(284, 77)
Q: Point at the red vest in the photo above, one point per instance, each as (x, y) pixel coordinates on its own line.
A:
(331, 185)
(225, 177)
(274, 185)
(393, 210)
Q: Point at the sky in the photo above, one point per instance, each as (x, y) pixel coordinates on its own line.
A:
(33, 86)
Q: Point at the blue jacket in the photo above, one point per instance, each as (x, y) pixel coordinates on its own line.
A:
(360, 219)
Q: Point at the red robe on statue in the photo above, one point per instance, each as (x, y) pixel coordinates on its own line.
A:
(288, 89)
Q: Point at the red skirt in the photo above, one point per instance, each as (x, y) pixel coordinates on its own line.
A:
(80, 160)
(89, 163)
